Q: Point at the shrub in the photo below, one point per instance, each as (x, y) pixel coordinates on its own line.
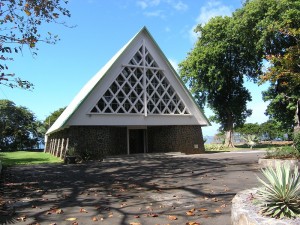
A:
(297, 141)
(251, 140)
(214, 147)
(280, 197)
(285, 152)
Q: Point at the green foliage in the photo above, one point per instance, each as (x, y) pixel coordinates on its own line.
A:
(26, 158)
(280, 108)
(271, 27)
(297, 141)
(21, 23)
(214, 70)
(251, 140)
(53, 117)
(285, 152)
(248, 129)
(18, 127)
(266, 131)
(71, 151)
(214, 147)
(280, 195)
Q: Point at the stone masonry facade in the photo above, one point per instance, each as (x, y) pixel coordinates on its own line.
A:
(186, 139)
(96, 142)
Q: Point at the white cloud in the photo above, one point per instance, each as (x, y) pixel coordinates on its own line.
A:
(211, 10)
(174, 63)
(208, 11)
(179, 6)
(147, 3)
(157, 13)
(142, 4)
(159, 6)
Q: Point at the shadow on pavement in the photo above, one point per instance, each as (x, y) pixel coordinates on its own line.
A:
(120, 190)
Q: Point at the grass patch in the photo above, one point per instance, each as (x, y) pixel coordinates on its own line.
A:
(26, 158)
(238, 147)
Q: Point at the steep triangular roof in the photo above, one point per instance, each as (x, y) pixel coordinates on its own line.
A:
(138, 86)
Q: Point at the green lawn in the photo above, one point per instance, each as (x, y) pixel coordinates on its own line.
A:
(238, 147)
(24, 157)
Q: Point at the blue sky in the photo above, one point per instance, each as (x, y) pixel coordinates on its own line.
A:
(102, 28)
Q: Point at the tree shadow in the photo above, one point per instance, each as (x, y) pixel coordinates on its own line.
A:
(143, 185)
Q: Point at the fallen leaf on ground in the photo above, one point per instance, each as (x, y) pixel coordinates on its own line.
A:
(192, 223)
(59, 211)
(202, 209)
(218, 211)
(95, 218)
(71, 219)
(190, 213)
(134, 223)
(172, 217)
(136, 216)
(82, 210)
(152, 215)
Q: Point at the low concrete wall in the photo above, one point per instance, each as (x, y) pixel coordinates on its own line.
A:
(243, 212)
(272, 162)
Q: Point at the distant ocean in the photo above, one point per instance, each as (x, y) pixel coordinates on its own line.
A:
(209, 139)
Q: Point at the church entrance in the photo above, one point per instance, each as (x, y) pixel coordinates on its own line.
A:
(137, 141)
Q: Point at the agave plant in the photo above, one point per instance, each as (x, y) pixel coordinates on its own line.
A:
(251, 140)
(280, 197)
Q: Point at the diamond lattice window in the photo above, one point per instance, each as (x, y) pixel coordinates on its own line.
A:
(140, 88)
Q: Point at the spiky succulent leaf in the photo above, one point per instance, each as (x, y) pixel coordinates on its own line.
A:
(280, 196)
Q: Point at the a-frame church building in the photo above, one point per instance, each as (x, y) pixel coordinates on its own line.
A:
(135, 104)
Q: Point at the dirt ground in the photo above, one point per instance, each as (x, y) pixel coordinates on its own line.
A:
(137, 189)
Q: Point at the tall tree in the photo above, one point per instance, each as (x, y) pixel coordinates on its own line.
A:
(21, 22)
(272, 28)
(215, 69)
(284, 75)
(18, 128)
(53, 117)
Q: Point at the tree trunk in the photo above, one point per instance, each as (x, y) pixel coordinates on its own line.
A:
(229, 132)
(297, 114)
(229, 139)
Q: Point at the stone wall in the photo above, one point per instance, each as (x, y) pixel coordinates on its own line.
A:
(90, 142)
(184, 139)
(96, 142)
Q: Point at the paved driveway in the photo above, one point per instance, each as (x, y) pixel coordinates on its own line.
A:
(141, 189)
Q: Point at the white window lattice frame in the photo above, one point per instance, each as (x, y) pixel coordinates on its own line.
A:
(141, 88)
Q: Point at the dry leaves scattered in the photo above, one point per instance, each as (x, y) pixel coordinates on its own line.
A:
(191, 212)
(82, 210)
(192, 223)
(172, 217)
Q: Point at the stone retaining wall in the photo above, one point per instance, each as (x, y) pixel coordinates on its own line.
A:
(243, 212)
(272, 162)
